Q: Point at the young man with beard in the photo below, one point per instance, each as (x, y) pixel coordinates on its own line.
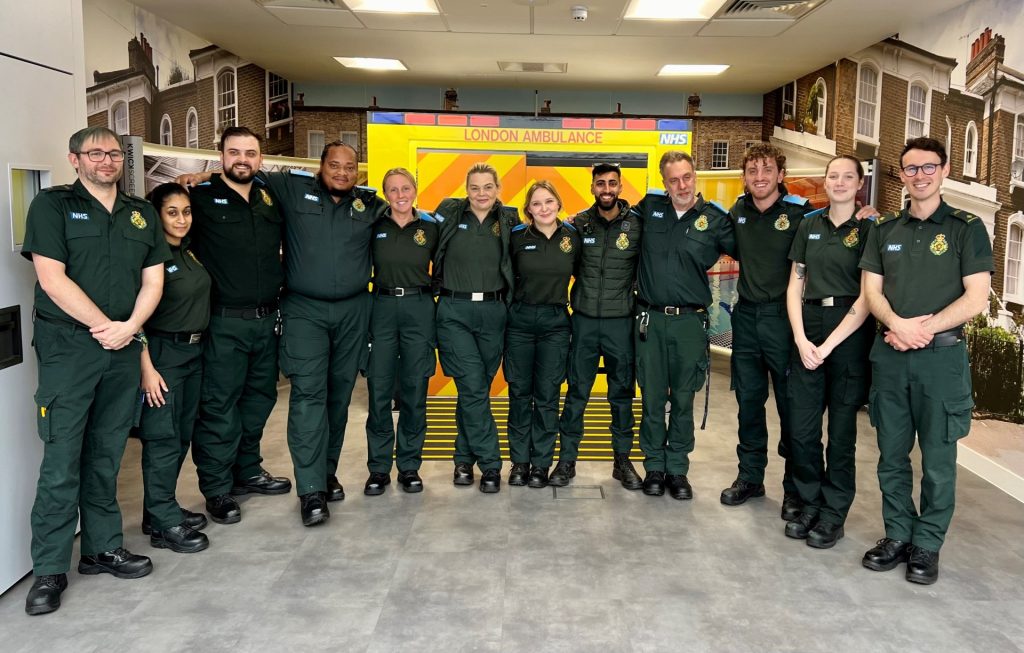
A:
(236, 233)
(99, 256)
(927, 272)
(602, 325)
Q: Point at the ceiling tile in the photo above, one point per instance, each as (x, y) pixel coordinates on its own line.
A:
(315, 17)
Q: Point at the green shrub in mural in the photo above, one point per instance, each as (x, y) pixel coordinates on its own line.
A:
(997, 371)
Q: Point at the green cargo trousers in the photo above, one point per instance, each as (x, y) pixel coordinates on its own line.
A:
(86, 401)
(323, 348)
(927, 393)
(762, 344)
(840, 385)
(470, 339)
(166, 431)
(238, 392)
(671, 365)
(403, 338)
(536, 352)
(593, 338)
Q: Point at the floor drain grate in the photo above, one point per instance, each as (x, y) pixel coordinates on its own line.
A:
(579, 492)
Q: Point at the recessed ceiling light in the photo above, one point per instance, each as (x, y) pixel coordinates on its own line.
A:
(370, 63)
(393, 6)
(531, 67)
(676, 10)
(691, 70)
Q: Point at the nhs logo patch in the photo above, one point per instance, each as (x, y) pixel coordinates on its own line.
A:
(311, 197)
(463, 226)
(676, 138)
(382, 235)
(528, 248)
(741, 220)
(590, 241)
(79, 216)
(220, 200)
(813, 236)
(894, 247)
(657, 214)
(172, 269)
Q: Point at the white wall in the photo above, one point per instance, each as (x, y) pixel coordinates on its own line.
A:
(44, 106)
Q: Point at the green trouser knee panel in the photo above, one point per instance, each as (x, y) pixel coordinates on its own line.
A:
(536, 351)
(591, 339)
(927, 393)
(470, 340)
(323, 348)
(762, 344)
(166, 431)
(237, 395)
(87, 400)
(840, 385)
(671, 365)
(402, 334)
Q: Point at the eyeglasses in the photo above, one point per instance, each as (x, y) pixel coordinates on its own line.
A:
(928, 169)
(98, 155)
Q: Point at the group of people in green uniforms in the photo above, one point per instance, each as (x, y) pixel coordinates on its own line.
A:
(176, 316)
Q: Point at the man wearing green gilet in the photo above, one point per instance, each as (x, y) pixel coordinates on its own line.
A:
(927, 272)
(236, 233)
(766, 220)
(99, 257)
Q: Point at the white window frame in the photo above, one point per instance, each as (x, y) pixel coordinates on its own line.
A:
(192, 118)
(1017, 153)
(925, 120)
(792, 103)
(874, 102)
(310, 153)
(722, 165)
(1017, 294)
(350, 138)
(217, 108)
(971, 151)
(166, 121)
(270, 98)
(112, 122)
(822, 106)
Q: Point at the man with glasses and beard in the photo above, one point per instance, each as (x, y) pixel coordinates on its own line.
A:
(237, 231)
(602, 301)
(99, 256)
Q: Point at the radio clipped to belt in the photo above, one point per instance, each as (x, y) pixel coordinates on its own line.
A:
(645, 320)
(278, 324)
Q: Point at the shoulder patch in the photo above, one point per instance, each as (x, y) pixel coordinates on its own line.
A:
(814, 213)
(519, 227)
(299, 172)
(569, 226)
(795, 199)
(426, 217)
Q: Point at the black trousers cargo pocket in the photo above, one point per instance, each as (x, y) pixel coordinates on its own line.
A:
(45, 402)
(958, 417)
(700, 374)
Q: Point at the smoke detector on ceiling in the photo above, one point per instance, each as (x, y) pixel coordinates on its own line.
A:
(579, 12)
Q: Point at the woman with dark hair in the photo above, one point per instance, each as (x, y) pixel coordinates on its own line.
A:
(829, 367)
(545, 253)
(171, 375)
(402, 335)
(474, 274)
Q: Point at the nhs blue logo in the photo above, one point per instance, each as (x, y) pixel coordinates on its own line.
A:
(677, 138)
(894, 247)
(382, 235)
(813, 236)
(590, 241)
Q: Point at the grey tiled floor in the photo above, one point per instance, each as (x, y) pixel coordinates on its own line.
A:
(454, 570)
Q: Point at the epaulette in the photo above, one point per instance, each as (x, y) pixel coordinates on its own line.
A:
(964, 215)
(519, 227)
(62, 188)
(718, 206)
(569, 226)
(887, 218)
(423, 215)
(511, 214)
(258, 178)
(367, 189)
(299, 172)
(795, 199)
(657, 192)
(815, 213)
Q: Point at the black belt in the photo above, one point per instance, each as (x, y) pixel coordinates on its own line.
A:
(495, 296)
(186, 337)
(832, 301)
(254, 313)
(672, 310)
(400, 292)
(59, 322)
(948, 338)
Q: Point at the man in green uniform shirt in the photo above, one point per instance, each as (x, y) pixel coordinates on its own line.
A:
(602, 301)
(326, 310)
(927, 272)
(683, 238)
(236, 234)
(99, 257)
(766, 220)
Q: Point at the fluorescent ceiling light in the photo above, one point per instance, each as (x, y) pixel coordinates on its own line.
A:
(393, 6)
(691, 70)
(371, 64)
(675, 10)
(531, 67)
